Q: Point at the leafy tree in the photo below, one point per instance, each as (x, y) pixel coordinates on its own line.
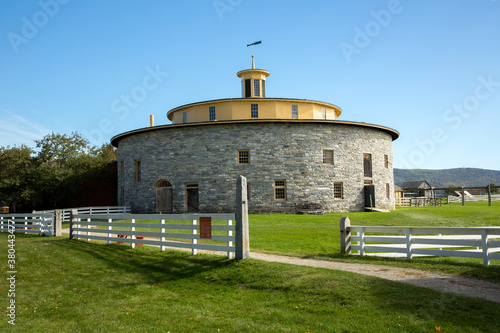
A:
(65, 161)
(17, 167)
(451, 189)
(494, 190)
(61, 166)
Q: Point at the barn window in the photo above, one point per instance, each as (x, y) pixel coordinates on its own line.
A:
(323, 113)
(212, 112)
(243, 156)
(122, 196)
(295, 111)
(386, 161)
(280, 189)
(263, 88)
(254, 109)
(327, 156)
(387, 191)
(338, 190)
(184, 117)
(138, 173)
(367, 165)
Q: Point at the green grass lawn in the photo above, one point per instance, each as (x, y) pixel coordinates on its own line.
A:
(318, 236)
(67, 285)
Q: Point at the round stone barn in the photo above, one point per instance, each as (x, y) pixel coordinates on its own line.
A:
(295, 153)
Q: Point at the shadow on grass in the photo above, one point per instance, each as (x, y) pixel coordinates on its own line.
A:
(155, 267)
(281, 284)
(440, 264)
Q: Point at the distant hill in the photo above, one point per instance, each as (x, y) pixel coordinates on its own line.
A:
(446, 177)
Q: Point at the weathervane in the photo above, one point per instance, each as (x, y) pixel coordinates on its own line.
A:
(253, 57)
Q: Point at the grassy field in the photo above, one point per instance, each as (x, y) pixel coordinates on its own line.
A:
(66, 285)
(318, 236)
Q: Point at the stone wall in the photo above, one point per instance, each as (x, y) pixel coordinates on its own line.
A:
(292, 151)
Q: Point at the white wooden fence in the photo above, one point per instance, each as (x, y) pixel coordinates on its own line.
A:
(104, 227)
(493, 197)
(482, 243)
(110, 228)
(90, 210)
(40, 223)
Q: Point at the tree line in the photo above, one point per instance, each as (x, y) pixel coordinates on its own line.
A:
(45, 176)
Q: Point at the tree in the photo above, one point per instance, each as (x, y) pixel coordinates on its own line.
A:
(451, 189)
(65, 161)
(61, 167)
(493, 189)
(17, 167)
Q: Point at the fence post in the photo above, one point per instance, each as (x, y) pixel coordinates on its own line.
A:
(230, 243)
(361, 241)
(242, 240)
(162, 247)
(484, 241)
(463, 196)
(72, 221)
(194, 241)
(489, 195)
(345, 235)
(88, 229)
(57, 222)
(409, 249)
(132, 245)
(110, 228)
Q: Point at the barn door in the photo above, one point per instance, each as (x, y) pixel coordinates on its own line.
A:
(192, 203)
(369, 195)
(164, 197)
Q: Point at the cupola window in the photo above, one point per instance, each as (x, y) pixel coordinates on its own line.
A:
(256, 88)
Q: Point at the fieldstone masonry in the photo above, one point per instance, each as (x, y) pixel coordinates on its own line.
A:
(290, 150)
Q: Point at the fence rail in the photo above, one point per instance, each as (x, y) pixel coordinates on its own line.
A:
(66, 213)
(493, 197)
(482, 243)
(40, 223)
(418, 202)
(109, 227)
(113, 228)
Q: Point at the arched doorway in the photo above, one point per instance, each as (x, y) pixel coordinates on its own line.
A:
(164, 196)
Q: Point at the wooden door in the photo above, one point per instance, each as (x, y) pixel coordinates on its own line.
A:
(164, 200)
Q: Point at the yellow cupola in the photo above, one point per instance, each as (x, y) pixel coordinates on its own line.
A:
(253, 82)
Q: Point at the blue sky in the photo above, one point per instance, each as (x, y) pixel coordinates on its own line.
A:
(429, 69)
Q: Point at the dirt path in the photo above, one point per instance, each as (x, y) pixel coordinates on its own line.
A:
(437, 281)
